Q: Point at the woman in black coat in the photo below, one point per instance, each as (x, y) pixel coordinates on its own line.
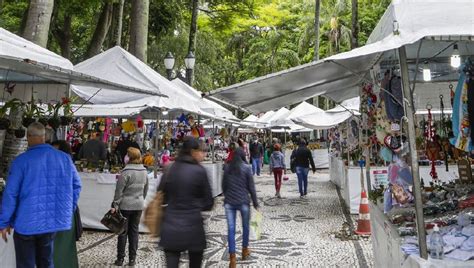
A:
(187, 192)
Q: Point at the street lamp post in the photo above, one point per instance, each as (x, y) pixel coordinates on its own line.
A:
(190, 61)
(169, 64)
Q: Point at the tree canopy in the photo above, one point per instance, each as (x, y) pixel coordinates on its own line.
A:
(235, 40)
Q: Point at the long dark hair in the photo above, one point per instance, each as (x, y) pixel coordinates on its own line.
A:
(237, 161)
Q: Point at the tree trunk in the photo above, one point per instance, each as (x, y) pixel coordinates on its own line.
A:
(117, 23)
(355, 24)
(101, 30)
(139, 29)
(317, 16)
(63, 36)
(193, 30)
(38, 21)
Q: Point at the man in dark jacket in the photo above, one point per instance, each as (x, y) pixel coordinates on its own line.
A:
(302, 158)
(42, 191)
(94, 150)
(256, 155)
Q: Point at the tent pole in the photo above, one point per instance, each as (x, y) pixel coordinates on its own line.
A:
(213, 142)
(420, 222)
(157, 145)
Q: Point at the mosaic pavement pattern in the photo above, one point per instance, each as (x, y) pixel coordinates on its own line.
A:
(296, 233)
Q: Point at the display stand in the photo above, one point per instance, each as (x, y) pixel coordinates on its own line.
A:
(387, 243)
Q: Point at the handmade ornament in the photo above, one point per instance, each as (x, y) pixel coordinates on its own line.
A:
(128, 126)
(461, 122)
(432, 150)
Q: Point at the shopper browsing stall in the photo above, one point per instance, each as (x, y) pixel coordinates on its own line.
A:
(256, 155)
(130, 194)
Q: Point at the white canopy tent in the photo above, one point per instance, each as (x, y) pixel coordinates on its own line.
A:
(118, 65)
(205, 105)
(264, 119)
(42, 74)
(303, 109)
(433, 26)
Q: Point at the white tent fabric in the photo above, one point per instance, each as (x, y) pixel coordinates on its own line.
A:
(323, 120)
(28, 64)
(264, 119)
(303, 109)
(410, 23)
(280, 118)
(13, 46)
(350, 104)
(205, 104)
(251, 122)
(118, 65)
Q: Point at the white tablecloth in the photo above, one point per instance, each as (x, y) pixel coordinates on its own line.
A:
(215, 174)
(96, 198)
(7, 252)
(337, 171)
(320, 157)
(417, 262)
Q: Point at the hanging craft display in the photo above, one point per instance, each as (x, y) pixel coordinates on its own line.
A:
(462, 128)
(432, 148)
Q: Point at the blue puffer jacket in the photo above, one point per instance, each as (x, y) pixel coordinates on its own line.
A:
(42, 190)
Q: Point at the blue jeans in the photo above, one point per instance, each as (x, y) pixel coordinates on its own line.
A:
(256, 166)
(34, 250)
(302, 174)
(230, 212)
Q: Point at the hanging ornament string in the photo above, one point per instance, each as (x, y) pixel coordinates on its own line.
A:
(444, 131)
(431, 149)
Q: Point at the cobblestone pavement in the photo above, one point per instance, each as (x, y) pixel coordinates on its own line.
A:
(296, 233)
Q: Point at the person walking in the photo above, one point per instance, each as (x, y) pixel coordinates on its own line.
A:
(278, 167)
(256, 155)
(237, 185)
(130, 194)
(302, 158)
(39, 200)
(187, 192)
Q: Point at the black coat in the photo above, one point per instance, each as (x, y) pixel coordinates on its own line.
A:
(187, 193)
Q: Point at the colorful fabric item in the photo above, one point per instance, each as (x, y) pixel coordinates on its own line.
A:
(461, 122)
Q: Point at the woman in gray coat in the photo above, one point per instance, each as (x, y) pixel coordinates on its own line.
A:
(130, 194)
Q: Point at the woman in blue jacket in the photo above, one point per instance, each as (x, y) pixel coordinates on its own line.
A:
(237, 185)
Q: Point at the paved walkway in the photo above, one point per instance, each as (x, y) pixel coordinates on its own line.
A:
(297, 233)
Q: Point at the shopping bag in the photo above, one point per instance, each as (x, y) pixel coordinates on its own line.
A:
(154, 214)
(115, 222)
(256, 225)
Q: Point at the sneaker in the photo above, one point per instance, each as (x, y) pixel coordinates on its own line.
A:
(118, 262)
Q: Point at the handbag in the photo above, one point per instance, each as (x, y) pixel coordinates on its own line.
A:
(154, 214)
(115, 222)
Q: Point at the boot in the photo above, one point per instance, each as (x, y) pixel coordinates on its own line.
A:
(118, 262)
(233, 261)
(131, 262)
(245, 253)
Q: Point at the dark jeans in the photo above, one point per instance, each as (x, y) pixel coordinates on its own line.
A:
(172, 259)
(230, 213)
(133, 217)
(34, 250)
(302, 174)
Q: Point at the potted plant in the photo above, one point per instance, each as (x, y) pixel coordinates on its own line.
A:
(20, 133)
(30, 112)
(66, 119)
(4, 121)
(54, 121)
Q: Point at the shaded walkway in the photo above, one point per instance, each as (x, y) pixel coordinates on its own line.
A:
(297, 233)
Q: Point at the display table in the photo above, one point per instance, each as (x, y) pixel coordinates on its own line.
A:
(337, 171)
(320, 157)
(98, 191)
(386, 245)
(349, 179)
(97, 194)
(215, 173)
